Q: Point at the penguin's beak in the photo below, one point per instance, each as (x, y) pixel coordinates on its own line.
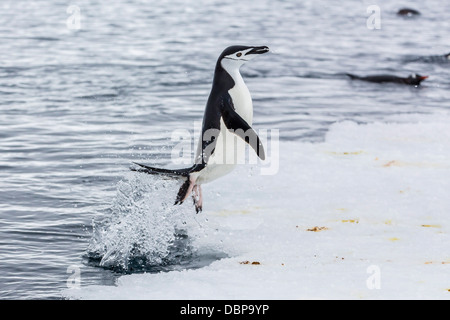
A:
(423, 78)
(258, 50)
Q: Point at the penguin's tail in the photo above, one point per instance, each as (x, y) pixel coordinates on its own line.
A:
(174, 173)
(186, 188)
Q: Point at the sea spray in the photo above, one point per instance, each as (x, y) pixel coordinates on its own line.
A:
(142, 226)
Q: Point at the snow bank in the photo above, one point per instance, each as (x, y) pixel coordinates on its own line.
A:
(363, 215)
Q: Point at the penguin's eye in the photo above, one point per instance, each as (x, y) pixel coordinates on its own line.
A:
(238, 54)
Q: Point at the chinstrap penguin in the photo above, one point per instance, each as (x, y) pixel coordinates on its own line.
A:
(228, 113)
(408, 12)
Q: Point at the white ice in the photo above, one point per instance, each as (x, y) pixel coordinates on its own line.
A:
(363, 215)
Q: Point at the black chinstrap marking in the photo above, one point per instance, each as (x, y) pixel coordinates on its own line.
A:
(236, 59)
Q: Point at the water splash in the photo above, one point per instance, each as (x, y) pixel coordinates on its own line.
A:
(142, 231)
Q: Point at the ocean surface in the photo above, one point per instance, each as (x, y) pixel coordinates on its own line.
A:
(87, 89)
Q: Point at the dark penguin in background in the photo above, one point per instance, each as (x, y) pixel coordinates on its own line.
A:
(228, 113)
(413, 79)
(407, 12)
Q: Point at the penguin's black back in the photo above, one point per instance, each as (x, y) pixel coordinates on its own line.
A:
(411, 80)
(408, 12)
(377, 78)
(222, 83)
(383, 78)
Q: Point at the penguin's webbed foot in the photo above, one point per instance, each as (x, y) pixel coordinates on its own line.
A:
(197, 198)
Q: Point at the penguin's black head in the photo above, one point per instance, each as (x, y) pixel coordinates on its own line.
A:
(415, 79)
(447, 56)
(238, 55)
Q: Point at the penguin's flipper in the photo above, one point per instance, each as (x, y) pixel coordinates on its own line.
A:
(233, 121)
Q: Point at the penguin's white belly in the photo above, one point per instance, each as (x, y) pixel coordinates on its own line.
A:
(242, 101)
(230, 149)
